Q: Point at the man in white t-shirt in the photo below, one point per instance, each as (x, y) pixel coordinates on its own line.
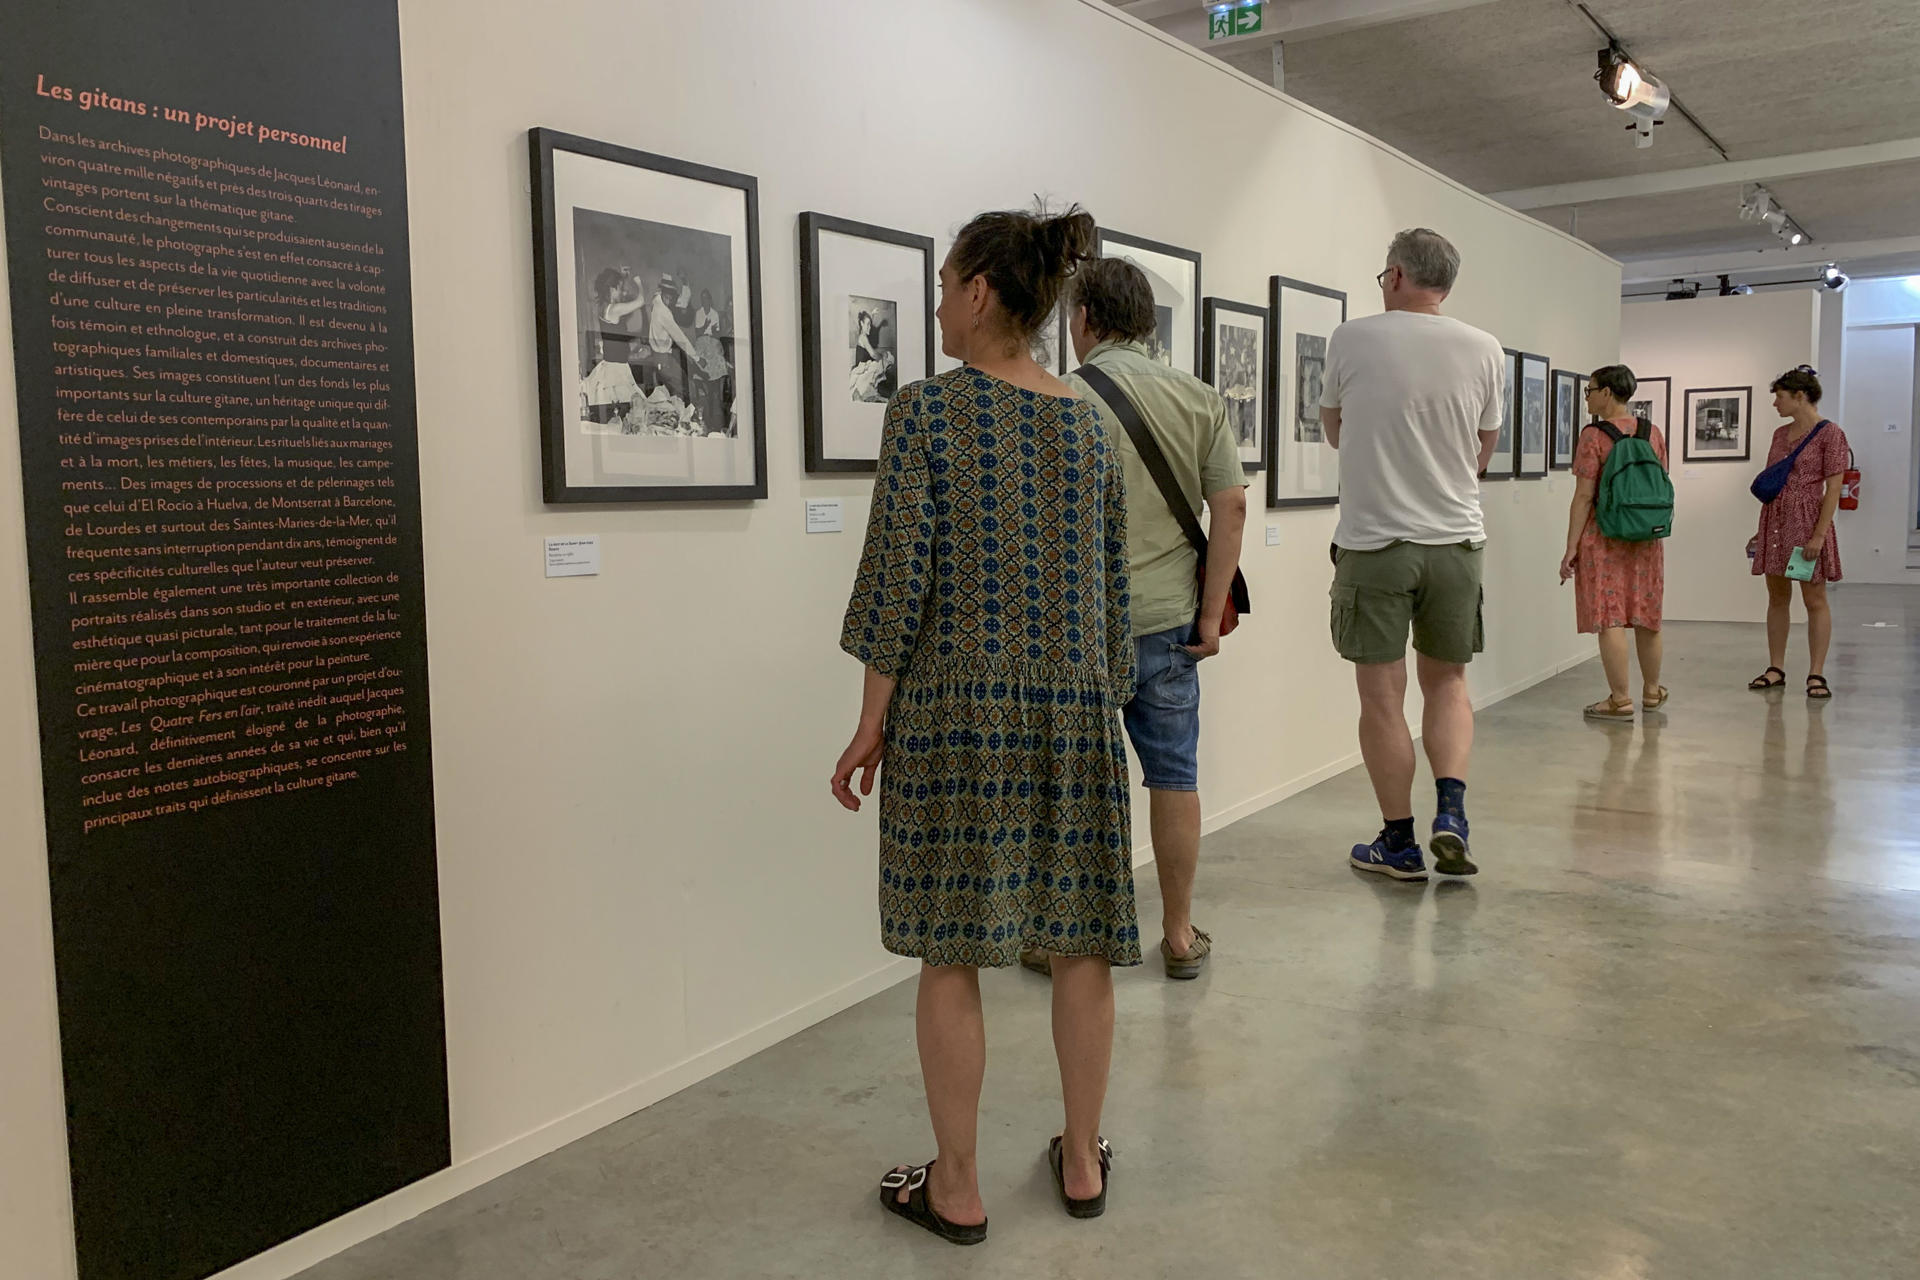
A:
(1412, 400)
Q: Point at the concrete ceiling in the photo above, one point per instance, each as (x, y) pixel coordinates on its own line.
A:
(1499, 94)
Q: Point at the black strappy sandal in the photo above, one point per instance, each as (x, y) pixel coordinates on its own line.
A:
(919, 1208)
(1761, 682)
(1818, 689)
(1093, 1206)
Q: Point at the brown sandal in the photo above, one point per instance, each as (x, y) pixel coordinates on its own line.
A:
(1656, 702)
(1609, 709)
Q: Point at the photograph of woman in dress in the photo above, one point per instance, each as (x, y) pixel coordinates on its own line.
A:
(876, 335)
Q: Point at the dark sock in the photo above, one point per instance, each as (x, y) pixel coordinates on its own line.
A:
(1399, 834)
(1453, 797)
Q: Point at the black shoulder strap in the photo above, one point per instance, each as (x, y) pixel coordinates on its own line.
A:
(1149, 449)
(1613, 433)
(1642, 429)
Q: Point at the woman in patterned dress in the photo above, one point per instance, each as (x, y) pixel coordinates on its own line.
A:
(1802, 516)
(1617, 586)
(991, 614)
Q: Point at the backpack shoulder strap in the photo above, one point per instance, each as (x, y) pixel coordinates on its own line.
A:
(1149, 449)
(1613, 433)
(1642, 429)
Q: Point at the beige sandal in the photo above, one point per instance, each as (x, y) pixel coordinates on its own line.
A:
(1656, 702)
(1609, 709)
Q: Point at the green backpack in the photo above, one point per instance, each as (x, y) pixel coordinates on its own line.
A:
(1635, 501)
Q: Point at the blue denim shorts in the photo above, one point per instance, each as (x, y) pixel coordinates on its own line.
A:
(1163, 720)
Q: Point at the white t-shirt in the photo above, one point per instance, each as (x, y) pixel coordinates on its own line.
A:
(1414, 392)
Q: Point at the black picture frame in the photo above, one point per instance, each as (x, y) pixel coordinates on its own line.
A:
(1105, 237)
(1647, 390)
(1506, 465)
(1062, 329)
(1210, 308)
(553, 330)
(1575, 422)
(1544, 367)
(1688, 453)
(1277, 289)
(812, 330)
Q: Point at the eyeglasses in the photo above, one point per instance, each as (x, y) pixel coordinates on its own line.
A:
(1381, 279)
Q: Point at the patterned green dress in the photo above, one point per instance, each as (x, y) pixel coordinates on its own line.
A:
(994, 586)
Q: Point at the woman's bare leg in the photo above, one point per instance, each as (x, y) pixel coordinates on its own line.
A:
(952, 1031)
(1083, 1041)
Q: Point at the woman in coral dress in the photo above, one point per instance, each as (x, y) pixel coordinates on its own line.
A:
(1617, 586)
(1802, 516)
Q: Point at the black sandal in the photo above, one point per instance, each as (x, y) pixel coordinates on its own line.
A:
(1818, 689)
(1761, 682)
(1093, 1206)
(919, 1208)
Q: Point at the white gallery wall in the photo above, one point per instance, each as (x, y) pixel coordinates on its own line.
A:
(1882, 319)
(1745, 341)
(643, 877)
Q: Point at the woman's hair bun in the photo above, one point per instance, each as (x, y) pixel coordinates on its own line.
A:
(1026, 258)
(1066, 240)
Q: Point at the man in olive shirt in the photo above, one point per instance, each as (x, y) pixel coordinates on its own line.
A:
(1175, 623)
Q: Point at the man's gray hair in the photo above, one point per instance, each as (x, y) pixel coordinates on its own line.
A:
(1428, 258)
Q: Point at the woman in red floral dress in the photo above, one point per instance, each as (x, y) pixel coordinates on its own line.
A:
(1617, 586)
(1802, 516)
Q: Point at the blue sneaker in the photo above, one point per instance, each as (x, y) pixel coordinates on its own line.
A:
(1407, 864)
(1450, 847)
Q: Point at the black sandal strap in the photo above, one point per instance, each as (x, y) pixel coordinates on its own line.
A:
(919, 1209)
(1761, 682)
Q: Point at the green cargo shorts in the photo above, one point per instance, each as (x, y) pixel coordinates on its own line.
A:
(1378, 595)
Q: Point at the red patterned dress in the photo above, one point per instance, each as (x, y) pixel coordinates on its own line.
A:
(1787, 522)
(1615, 584)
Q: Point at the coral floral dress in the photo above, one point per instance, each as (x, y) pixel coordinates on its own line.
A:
(1787, 522)
(1615, 584)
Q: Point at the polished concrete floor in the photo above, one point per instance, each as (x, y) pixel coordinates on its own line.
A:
(1672, 1030)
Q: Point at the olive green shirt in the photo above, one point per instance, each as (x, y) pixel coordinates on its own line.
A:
(1189, 422)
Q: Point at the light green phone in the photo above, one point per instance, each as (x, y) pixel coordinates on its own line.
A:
(1800, 565)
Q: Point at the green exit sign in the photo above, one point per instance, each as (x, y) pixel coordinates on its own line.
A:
(1237, 20)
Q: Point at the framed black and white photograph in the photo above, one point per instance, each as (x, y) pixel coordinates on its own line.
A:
(866, 330)
(1303, 470)
(1569, 415)
(1534, 424)
(647, 280)
(1234, 360)
(1175, 276)
(1653, 400)
(1505, 462)
(1719, 425)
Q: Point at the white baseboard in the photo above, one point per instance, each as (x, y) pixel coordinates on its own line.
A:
(411, 1201)
(1501, 695)
(362, 1224)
